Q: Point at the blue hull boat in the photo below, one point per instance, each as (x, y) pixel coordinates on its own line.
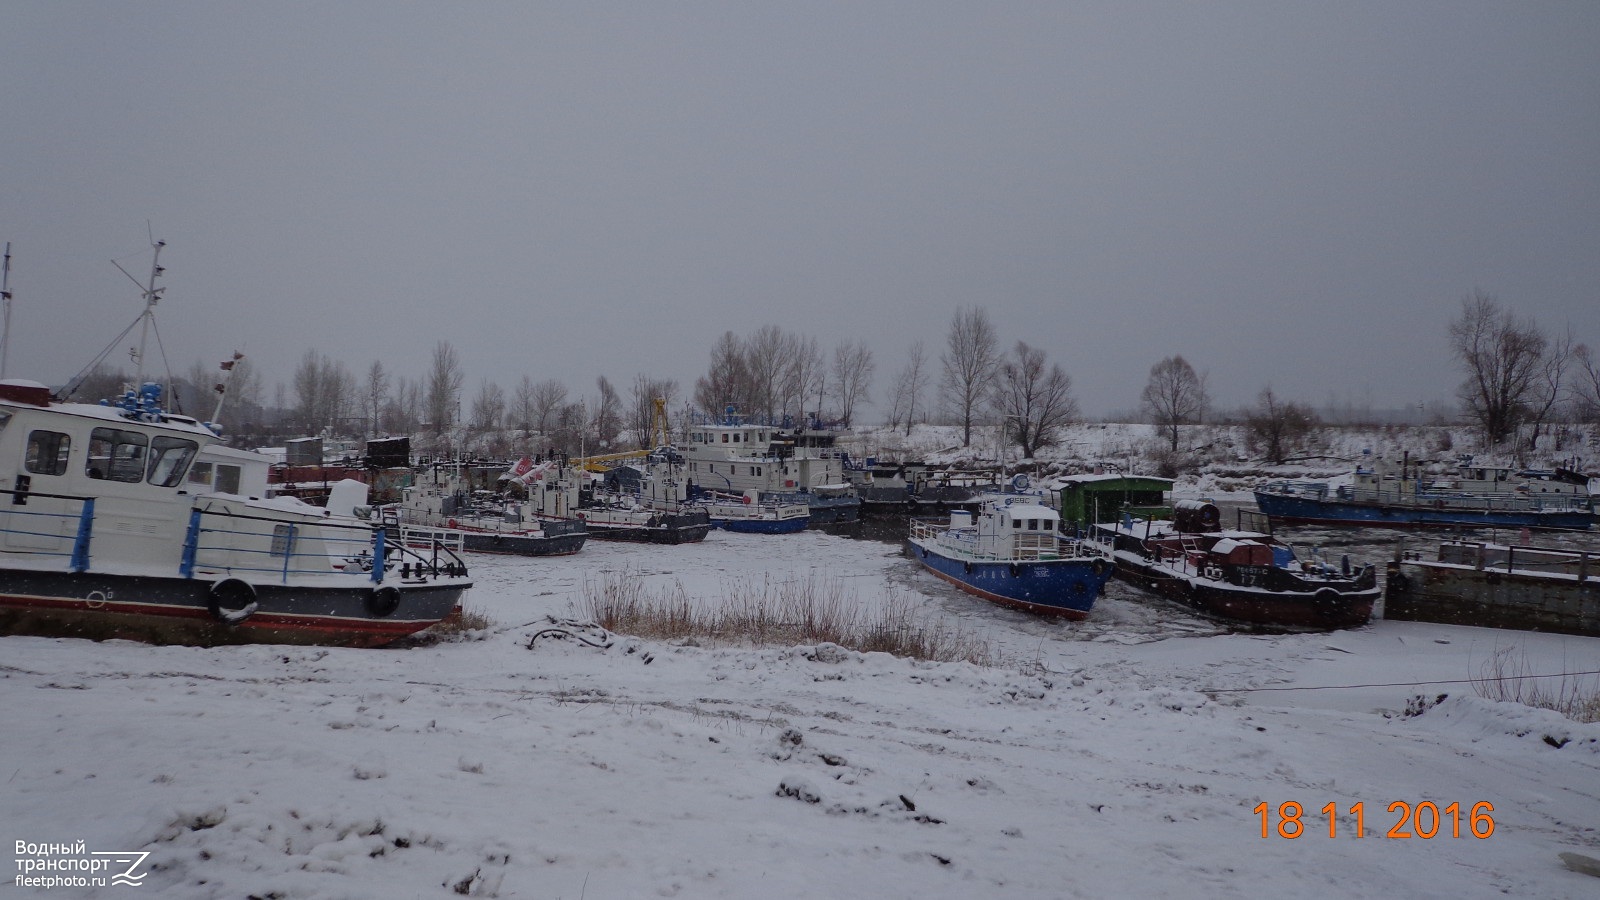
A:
(1012, 554)
(1475, 495)
(1311, 508)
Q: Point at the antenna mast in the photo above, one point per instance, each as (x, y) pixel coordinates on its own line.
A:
(227, 367)
(152, 296)
(5, 323)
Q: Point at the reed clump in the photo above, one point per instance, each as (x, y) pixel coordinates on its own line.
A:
(463, 624)
(1506, 676)
(768, 612)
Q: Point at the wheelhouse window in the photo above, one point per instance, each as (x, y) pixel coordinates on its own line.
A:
(169, 458)
(47, 452)
(116, 455)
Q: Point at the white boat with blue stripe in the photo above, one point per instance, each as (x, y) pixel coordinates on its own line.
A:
(1012, 553)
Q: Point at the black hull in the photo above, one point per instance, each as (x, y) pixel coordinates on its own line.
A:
(833, 512)
(173, 610)
(1324, 608)
(887, 503)
(690, 531)
(687, 527)
(513, 544)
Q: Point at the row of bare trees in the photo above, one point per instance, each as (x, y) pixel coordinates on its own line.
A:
(1519, 380)
(773, 374)
(978, 383)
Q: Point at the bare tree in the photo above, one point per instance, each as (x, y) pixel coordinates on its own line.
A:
(400, 413)
(768, 361)
(852, 378)
(1174, 396)
(1277, 428)
(607, 415)
(642, 408)
(195, 391)
(323, 389)
(969, 361)
(1503, 358)
(1550, 388)
(909, 386)
(376, 392)
(521, 413)
(727, 382)
(1587, 391)
(444, 387)
(569, 424)
(310, 404)
(1032, 401)
(806, 381)
(548, 398)
(488, 407)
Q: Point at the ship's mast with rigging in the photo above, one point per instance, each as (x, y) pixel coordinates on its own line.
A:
(152, 296)
(5, 318)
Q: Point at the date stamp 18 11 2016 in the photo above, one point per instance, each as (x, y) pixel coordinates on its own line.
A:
(1423, 819)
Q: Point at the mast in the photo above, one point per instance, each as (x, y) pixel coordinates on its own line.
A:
(146, 319)
(5, 318)
(152, 296)
(221, 388)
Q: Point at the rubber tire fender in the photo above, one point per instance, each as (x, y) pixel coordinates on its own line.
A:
(1326, 602)
(231, 601)
(383, 601)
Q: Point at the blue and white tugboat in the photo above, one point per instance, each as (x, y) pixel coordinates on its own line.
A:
(1012, 553)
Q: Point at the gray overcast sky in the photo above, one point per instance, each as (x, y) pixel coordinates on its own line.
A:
(1289, 193)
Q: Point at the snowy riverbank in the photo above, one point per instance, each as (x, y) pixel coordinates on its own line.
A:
(1117, 757)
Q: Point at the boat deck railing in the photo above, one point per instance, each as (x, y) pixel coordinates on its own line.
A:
(1456, 501)
(736, 506)
(220, 540)
(1503, 501)
(1026, 547)
(272, 549)
(1508, 559)
(59, 530)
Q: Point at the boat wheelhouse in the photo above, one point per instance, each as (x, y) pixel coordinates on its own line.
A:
(801, 462)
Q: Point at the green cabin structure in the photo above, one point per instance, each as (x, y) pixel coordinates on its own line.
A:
(1091, 498)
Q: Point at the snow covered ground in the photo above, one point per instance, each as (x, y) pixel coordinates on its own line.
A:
(1124, 756)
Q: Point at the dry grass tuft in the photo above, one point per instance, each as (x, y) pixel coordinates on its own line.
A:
(764, 612)
(464, 624)
(1506, 676)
